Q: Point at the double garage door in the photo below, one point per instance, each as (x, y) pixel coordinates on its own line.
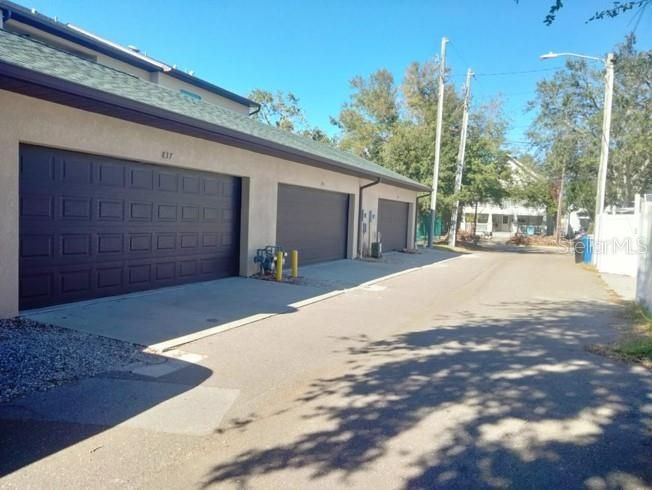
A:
(95, 226)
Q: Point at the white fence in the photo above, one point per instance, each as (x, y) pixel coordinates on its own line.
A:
(625, 246)
(618, 249)
(644, 275)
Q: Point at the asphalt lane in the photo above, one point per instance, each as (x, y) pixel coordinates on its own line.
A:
(470, 373)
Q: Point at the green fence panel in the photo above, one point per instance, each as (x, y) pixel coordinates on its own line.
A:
(422, 227)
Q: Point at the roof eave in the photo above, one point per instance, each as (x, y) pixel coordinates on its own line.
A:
(190, 125)
(51, 26)
(60, 30)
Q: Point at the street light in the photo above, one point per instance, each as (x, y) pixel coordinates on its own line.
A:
(551, 55)
(606, 129)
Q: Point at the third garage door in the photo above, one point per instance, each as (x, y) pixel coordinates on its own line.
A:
(393, 224)
(312, 221)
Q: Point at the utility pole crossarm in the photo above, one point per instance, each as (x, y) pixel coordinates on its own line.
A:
(440, 112)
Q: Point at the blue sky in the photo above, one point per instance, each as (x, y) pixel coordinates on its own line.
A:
(314, 48)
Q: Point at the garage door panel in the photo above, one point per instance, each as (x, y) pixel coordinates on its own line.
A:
(167, 182)
(393, 224)
(33, 246)
(37, 206)
(110, 210)
(39, 168)
(312, 221)
(36, 286)
(141, 179)
(94, 226)
(108, 278)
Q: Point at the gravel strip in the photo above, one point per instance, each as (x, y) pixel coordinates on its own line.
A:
(38, 357)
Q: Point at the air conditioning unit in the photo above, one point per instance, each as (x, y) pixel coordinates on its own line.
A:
(376, 250)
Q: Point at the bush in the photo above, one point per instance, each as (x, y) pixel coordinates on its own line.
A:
(520, 240)
(464, 236)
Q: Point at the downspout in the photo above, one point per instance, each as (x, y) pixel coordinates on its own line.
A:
(255, 111)
(5, 15)
(360, 220)
(416, 217)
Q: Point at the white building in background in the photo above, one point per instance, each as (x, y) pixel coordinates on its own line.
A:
(510, 217)
(575, 221)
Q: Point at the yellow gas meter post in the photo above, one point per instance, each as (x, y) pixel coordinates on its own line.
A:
(294, 255)
(279, 266)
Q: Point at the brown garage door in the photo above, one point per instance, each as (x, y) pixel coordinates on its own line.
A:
(312, 221)
(95, 226)
(393, 224)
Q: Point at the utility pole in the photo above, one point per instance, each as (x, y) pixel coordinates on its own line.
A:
(452, 232)
(440, 113)
(560, 201)
(604, 151)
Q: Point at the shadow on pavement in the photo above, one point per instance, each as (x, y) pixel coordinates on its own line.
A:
(499, 400)
(42, 424)
(158, 316)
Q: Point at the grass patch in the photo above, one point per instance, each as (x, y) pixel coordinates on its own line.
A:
(458, 249)
(640, 317)
(639, 348)
(636, 343)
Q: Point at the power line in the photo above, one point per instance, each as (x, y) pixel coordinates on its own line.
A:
(521, 72)
(508, 94)
(459, 54)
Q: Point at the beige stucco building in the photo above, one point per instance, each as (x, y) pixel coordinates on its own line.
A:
(90, 145)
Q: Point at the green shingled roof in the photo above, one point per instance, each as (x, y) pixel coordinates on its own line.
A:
(38, 57)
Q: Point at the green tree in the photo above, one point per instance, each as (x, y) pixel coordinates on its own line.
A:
(487, 177)
(396, 128)
(567, 128)
(411, 147)
(617, 8)
(630, 162)
(283, 110)
(367, 120)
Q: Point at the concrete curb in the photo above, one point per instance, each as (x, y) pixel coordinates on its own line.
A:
(178, 341)
(185, 339)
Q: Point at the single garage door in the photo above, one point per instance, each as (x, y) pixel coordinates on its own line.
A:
(94, 226)
(312, 221)
(393, 224)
